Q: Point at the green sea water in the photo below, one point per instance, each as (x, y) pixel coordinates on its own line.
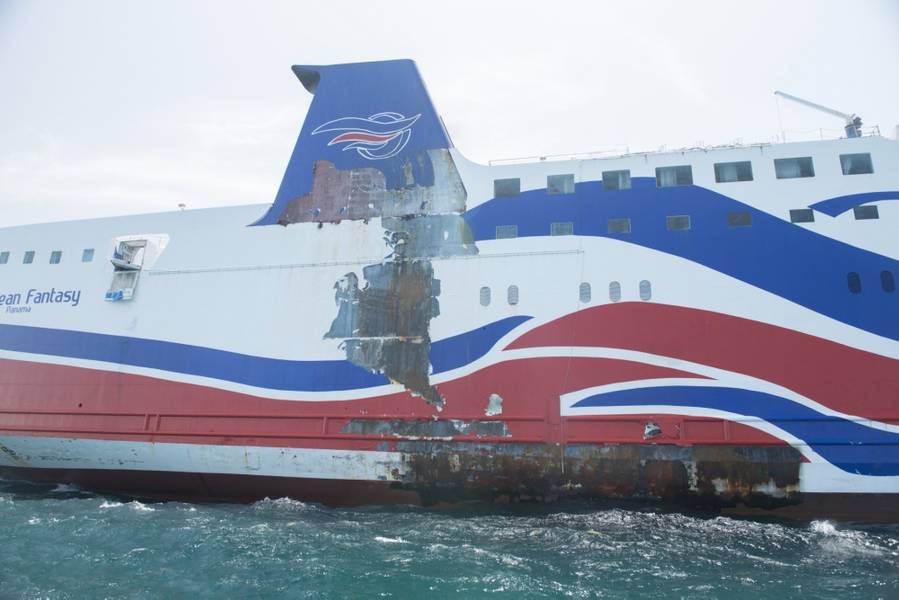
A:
(59, 542)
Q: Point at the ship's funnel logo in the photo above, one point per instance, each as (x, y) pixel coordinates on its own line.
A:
(378, 137)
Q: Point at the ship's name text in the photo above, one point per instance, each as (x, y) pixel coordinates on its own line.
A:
(22, 302)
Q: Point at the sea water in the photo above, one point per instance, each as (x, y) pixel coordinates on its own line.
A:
(59, 542)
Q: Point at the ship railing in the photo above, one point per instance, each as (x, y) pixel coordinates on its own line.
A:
(791, 135)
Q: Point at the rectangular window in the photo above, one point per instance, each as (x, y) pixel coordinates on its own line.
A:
(506, 231)
(561, 228)
(55, 257)
(87, 255)
(678, 222)
(619, 225)
(560, 184)
(616, 180)
(739, 219)
(733, 171)
(28, 258)
(506, 187)
(672, 176)
(802, 215)
(4, 257)
(866, 212)
(856, 164)
(791, 168)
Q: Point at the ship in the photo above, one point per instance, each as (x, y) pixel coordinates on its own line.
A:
(715, 327)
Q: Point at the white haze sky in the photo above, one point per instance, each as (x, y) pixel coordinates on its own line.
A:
(111, 107)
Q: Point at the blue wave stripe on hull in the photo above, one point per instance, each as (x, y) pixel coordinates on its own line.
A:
(839, 205)
(257, 371)
(848, 445)
(777, 256)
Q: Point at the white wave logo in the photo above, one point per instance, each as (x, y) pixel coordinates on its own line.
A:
(382, 135)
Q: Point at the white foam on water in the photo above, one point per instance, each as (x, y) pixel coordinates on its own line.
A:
(140, 506)
(108, 504)
(287, 504)
(823, 527)
(62, 488)
(839, 542)
(387, 540)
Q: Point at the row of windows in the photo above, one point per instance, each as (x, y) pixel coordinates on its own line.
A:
(887, 282)
(683, 222)
(87, 255)
(726, 172)
(585, 293)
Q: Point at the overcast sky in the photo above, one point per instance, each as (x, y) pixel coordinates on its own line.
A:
(111, 107)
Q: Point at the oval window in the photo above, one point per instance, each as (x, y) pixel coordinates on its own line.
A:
(485, 296)
(645, 290)
(614, 291)
(584, 292)
(512, 294)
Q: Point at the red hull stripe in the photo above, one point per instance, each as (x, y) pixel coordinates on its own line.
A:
(54, 400)
(845, 379)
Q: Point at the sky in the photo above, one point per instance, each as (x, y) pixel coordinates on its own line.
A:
(110, 108)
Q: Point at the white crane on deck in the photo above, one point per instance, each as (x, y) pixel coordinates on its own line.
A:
(853, 123)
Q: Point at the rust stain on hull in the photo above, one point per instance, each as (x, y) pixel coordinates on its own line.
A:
(713, 476)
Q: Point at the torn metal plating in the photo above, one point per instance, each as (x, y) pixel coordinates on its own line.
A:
(384, 319)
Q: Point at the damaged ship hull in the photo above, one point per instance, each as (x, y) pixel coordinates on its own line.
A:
(404, 326)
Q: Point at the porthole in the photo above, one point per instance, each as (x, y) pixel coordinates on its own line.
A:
(584, 293)
(645, 290)
(512, 295)
(485, 296)
(854, 282)
(614, 291)
(887, 281)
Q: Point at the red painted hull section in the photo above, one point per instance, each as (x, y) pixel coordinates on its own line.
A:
(54, 400)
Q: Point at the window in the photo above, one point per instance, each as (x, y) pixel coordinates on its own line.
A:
(854, 282)
(856, 164)
(866, 212)
(584, 293)
(672, 176)
(87, 255)
(561, 228)
(485, 296)
(4, 257)
(55, 257)
(512, 295)
(616, 180)
(506, 187)
(733, 171)
(506, 231)
(645, 290)
(790, 168)
(560, 184)
(28, 258)
(802, 215)
(887, 281)
(614, 291)
(739, 219)
(619, 225)
(678, 222)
